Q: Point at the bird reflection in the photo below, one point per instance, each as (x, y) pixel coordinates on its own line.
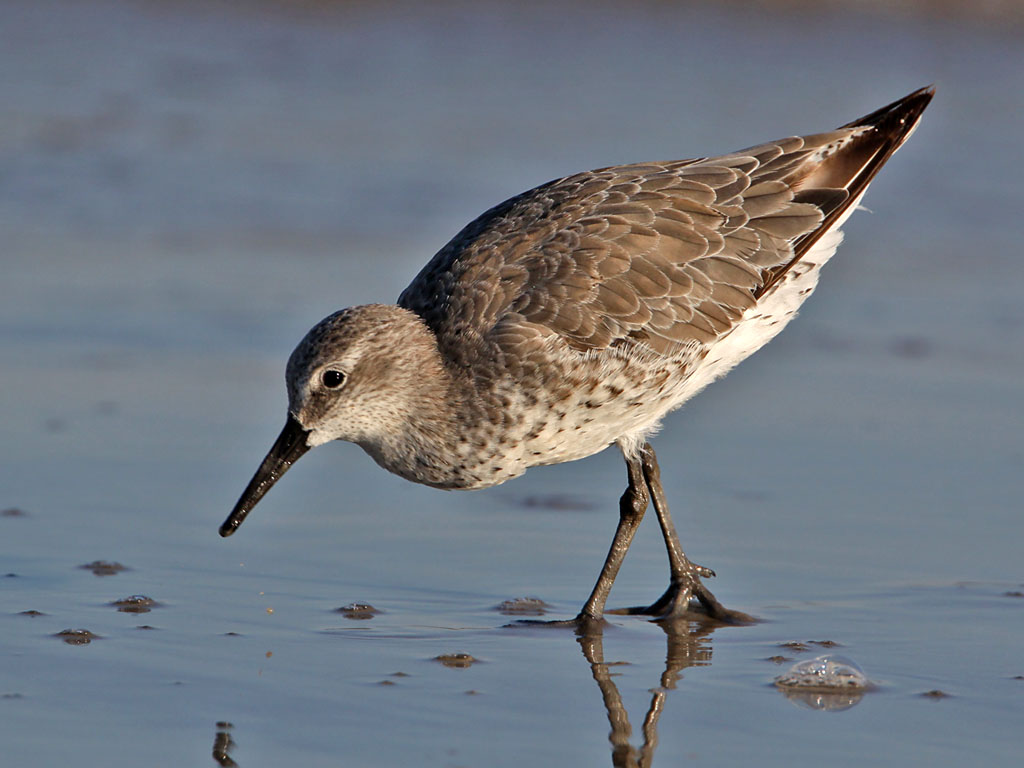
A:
(688, 645)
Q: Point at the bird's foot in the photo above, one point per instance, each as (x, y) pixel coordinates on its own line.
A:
(687, 596)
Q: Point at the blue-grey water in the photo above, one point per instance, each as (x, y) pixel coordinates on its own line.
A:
(186, 187)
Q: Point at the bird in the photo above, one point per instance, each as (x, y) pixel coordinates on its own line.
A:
(579, 314)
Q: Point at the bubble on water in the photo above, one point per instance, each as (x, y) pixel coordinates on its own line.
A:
(135, 604)
(828, 673)
(456, 660)
(829, 682)
(76, 636)
(358, 611)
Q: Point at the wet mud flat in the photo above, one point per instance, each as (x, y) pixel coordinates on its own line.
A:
(441, 674)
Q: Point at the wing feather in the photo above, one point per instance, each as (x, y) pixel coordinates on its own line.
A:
(655, 254)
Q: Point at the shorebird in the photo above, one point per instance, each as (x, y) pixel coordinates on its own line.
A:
(577, 315)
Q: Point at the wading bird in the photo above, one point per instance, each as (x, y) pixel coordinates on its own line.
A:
(577, 315)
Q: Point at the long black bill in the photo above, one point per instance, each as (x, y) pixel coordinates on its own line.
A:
(286, 450)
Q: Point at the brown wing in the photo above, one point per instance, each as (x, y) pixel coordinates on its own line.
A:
(662, 253)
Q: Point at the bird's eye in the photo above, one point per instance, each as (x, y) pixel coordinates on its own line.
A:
(332, 379)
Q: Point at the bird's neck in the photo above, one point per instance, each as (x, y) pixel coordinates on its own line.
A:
(437, 416)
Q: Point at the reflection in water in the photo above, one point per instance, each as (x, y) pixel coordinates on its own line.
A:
(222, 744)
(688, 645)
(828, 702)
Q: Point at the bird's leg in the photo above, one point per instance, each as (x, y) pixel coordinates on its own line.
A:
(632, 506)
(644, 485)
(685, 580)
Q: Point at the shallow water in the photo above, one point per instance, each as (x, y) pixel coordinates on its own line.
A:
(188, 187)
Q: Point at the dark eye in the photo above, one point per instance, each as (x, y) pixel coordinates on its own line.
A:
(332, 379)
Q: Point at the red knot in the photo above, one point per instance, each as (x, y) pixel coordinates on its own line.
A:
(577, 315)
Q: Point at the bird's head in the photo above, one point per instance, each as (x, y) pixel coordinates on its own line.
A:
(353, 377)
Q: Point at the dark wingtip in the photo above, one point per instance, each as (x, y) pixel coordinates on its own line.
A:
(904, 112)
(228, 527)
(890, 127)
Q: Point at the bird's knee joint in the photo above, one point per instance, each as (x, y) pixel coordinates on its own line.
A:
(632, 505)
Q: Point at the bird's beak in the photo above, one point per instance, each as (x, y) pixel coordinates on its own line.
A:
(285, 451)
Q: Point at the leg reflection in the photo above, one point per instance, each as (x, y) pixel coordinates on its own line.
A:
(222, 744)
(688, 645)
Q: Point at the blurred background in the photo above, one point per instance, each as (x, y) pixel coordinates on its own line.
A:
(187, 187)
